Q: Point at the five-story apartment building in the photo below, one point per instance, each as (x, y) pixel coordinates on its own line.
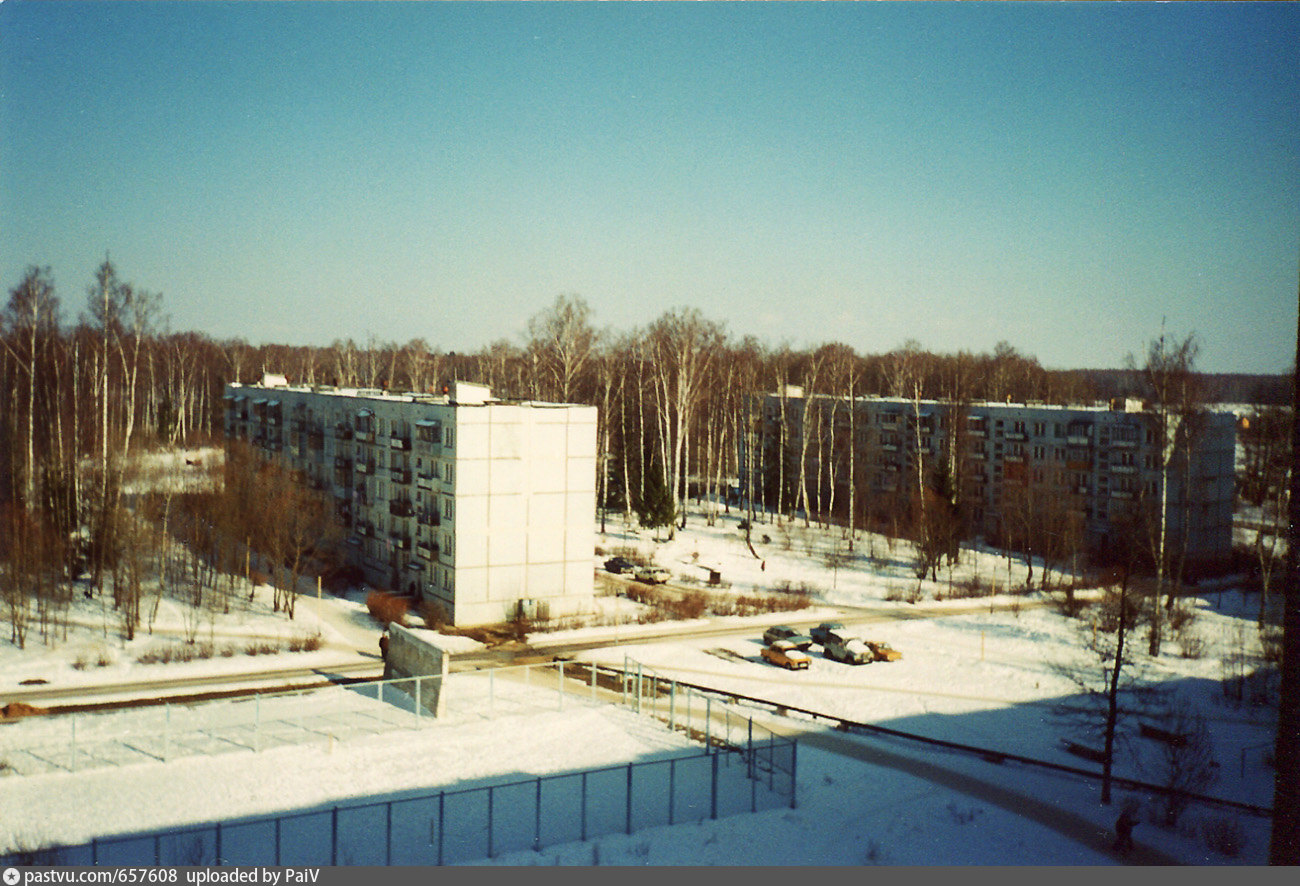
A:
(1024, 474)
(482, 506)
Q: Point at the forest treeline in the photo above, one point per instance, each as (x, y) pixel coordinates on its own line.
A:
(91, 377)
(674, 396)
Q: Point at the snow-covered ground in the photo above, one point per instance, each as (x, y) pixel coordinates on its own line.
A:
(986, 674)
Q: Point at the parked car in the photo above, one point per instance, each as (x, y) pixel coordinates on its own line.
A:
(851, 651)
(826, 630)
(784, 654)
(655, 575)
(785, 632)
(883, 651)
(619, 565)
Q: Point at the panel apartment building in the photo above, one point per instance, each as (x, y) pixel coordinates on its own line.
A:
(483, 506)
(1098, 466)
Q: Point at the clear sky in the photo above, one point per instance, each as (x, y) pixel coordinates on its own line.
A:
(1060, 176)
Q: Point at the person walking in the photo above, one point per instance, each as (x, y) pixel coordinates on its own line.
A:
(1124, 831)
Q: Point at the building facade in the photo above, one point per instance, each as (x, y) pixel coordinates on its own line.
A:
(482, 506)
(1024, 475)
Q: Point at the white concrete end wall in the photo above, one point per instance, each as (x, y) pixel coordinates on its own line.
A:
(414, 653)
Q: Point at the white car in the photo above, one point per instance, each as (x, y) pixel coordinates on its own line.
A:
(655, 575)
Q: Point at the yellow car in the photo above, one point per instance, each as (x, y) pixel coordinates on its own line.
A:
(883, 651)
(785, 654)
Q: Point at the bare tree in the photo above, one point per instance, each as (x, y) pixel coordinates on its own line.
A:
(562, 340)
(1170, 382)
(30, 319)
(682, 345)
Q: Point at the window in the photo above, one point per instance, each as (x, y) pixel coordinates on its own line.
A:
(1040, 429)
(446, 508)
(448, 437)
(446, 472)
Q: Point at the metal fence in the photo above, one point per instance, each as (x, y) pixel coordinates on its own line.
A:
(742, 768)
(163, 732)
(450, 827)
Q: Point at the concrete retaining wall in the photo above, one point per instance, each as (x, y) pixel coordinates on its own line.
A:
(413, 653)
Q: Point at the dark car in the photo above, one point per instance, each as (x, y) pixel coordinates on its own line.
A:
(785, 632)
(826, 631)
(619, 565)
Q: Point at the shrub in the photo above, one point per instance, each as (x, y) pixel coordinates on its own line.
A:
(387, 608)
(1224, 836)
(305, 643)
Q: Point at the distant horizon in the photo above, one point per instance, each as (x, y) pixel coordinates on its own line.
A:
(1065, 177)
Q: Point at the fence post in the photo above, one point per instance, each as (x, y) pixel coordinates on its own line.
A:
(593, 681)
(672, 706)
(708, 722)
(584, 806)
(629, 798)
(672, 788)
(74, 743)
(537, 817)
(794, 765)
(561, 685)
(167, 730)
(640, 682)
(492, 691)
(491, 795)
(442, 796)
(713, 798)
(418, 684)
(257, 722)
(334, 836)
(749, 750)
(624, 681)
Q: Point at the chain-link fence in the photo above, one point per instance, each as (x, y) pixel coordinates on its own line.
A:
(449, 827)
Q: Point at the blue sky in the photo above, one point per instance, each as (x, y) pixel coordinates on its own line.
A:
(1060, 176)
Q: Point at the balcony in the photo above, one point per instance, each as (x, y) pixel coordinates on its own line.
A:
(429, 518)
(1123, 469)
(364, 436)
(400, 443)
(401, 508)
(401, 476)
(365, 467)
(342, 432)
(400, 540)
(1017, 436)
(427, 551)
(1121, 493)
(1078, 440)
(342, 463)
(425, 480)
